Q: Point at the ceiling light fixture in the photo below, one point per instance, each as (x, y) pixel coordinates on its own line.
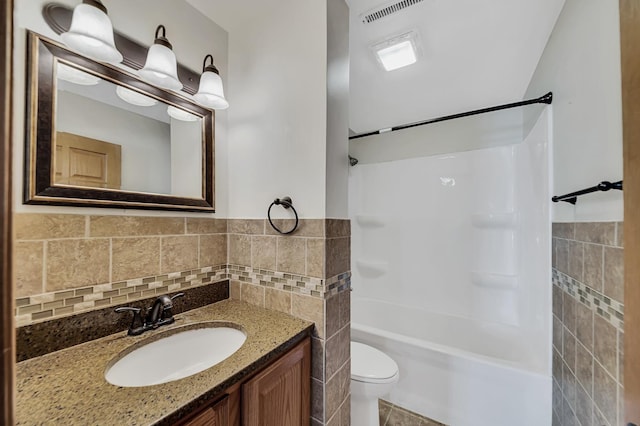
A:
(91, 32)
(161, 66)
(397, 52)
(134, 98)
(210, 92)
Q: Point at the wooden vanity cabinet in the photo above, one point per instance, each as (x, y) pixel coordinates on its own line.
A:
(278, 395)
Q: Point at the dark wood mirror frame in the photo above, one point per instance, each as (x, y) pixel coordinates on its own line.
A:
(39, 188)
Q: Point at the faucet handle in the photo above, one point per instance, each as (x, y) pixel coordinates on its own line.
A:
(137, 318)
(175, 296)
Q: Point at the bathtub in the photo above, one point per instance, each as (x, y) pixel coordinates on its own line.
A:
(455, 370)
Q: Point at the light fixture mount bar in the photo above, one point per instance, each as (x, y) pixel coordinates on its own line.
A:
(58, 17)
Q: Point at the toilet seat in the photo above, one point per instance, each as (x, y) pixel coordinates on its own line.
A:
(369, 365)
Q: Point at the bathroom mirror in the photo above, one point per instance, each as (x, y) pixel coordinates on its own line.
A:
(99, 136)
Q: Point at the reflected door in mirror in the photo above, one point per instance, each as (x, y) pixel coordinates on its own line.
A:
(82, 161)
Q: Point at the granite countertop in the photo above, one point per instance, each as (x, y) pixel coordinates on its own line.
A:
(68, 386)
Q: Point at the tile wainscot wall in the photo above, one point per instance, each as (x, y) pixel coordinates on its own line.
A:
(588, 317)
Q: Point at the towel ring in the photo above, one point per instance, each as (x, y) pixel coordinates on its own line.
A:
(286, 203)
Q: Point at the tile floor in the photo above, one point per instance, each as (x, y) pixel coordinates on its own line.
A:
(392, 415)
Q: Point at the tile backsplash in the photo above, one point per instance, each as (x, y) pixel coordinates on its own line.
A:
(588, 323)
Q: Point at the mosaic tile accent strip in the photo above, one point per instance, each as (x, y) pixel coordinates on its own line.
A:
(607, 308)
(311, 286)
(47, 306)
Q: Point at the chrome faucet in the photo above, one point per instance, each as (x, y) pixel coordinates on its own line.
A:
(157, 315)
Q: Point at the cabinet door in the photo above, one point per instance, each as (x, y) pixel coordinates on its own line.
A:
(214, 415)
(280, 395)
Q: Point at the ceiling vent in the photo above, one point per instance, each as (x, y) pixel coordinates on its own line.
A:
(381, 12)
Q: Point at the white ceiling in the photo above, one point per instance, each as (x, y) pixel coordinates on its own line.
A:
(473, 54)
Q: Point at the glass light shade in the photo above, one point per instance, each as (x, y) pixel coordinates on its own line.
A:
(210, 92)
(161, 68)
(134, 98)
(180, 114)
(397, 56)
(91, 34)
(76, 76)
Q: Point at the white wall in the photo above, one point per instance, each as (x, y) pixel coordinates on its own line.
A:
(186, 158)
(581, 65)
(337, 109)
(193, 36)
(278, 115)
(463, 134)
(145, 143)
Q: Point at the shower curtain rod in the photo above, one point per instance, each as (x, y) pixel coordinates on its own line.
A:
(545, 99)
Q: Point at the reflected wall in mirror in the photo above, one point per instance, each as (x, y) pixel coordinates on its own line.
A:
(100, 136)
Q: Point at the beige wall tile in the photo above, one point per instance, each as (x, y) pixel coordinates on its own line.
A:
(179, 254)
(134, 258)
(213, 250)
(310, 309)
(235, 290)
(605, 344)
(315, 257)
(620, 234)
(614, 273)
(198, 225)
(28, 258)
(253, 294)
(569, 312)
(557, 334)
(345, 413)
(593, 264)
(345, 307)
(605, 392)
(337, 390)
(563, 230)
(246, 226)
(77, 263)
(277, 300)
(291, 255)
(306, 227)
(263, 252)
(568, 385)
(240, 250)
(584, 325)
(317, 400)
(584, 368)
(337, 351)
(122, 226)
(584, 406)
(338, 256)
(596, 232)
(557, 301)
(317, 358)
(338, 228)
(562, 256)
(576, 258)
(332, 316)
(569, 349)
(33, 226)
(621, 358)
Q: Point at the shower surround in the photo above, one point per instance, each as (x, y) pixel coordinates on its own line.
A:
(451, 265)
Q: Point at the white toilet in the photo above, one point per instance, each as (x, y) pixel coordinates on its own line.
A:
(373, 374)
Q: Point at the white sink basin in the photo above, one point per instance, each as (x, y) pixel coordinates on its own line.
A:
(175, 356)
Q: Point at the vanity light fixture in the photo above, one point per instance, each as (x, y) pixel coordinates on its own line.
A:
(134, 98)
(210, 92)
(161, 66)
(75, 76)
(91, 32)
(397, 52)
(180, 114)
